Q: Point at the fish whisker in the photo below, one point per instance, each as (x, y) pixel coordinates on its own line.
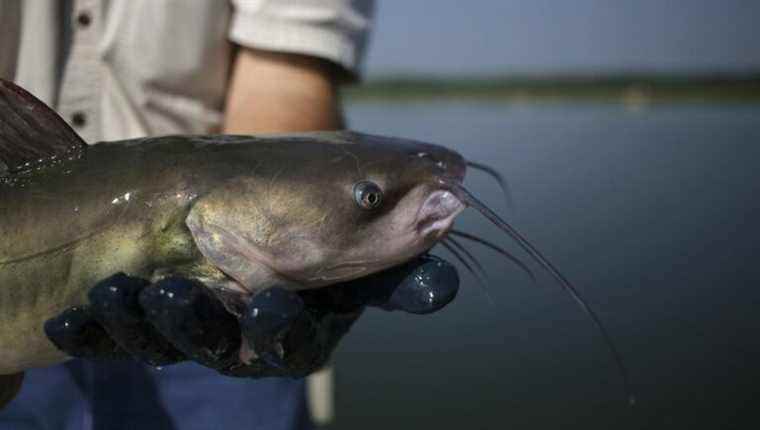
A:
(466, 252)
(470, 200)
(497, 248)
(476, 274)
(490, 171)
(485, 279)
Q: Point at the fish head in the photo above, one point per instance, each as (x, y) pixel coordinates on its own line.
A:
(323, 208)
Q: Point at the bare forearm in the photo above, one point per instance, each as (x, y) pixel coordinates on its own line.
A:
(275, 92)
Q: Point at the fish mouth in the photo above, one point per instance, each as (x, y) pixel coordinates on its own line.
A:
(437, 213)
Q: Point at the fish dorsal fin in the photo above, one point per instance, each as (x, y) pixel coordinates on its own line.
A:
(32, 135)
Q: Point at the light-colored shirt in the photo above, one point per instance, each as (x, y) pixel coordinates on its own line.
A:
(125, 69)
(120, 69)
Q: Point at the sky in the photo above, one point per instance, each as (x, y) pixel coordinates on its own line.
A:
(465, 37)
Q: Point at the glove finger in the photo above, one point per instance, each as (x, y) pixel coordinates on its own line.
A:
(114, 304)
(268, 319)
(423, 285)
(187, 314)
(431, 284)
(290, 341)
(76, 332)
(311, 341)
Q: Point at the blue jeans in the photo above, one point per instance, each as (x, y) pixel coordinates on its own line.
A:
(81, 395)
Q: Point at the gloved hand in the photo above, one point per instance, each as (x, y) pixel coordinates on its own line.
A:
(282, 333)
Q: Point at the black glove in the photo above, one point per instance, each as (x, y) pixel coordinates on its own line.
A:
(282, 333)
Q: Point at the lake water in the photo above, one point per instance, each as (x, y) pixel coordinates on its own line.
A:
(654, 214)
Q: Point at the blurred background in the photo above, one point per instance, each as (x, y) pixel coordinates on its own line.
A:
(630, 135)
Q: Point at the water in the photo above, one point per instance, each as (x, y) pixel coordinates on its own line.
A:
(652, 213)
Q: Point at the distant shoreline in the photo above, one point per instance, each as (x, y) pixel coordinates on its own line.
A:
(626, 89)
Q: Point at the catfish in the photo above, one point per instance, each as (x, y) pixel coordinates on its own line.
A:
(240, 214)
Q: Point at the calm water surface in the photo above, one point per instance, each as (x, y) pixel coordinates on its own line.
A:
(653, 214)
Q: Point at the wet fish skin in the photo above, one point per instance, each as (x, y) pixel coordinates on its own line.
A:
(236, 213)
(123, 208)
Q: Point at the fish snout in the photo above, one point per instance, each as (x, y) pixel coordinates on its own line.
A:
(438, 210)
(444, 164)
(456, 167)
(452, 166)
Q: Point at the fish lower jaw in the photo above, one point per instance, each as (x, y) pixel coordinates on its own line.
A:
(436, 230)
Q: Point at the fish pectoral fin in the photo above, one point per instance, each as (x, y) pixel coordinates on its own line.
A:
(231, 253)
(32, 135)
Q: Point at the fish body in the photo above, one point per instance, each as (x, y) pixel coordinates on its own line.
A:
(239, 213)
(68, 226)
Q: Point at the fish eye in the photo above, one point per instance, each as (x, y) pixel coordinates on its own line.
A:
(368, 195)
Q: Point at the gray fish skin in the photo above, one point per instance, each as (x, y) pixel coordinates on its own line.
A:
(239, 213)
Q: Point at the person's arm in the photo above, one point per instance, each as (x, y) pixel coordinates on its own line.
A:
(272, 92)
(292, 57)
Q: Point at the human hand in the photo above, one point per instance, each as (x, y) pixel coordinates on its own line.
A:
(276, 333)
